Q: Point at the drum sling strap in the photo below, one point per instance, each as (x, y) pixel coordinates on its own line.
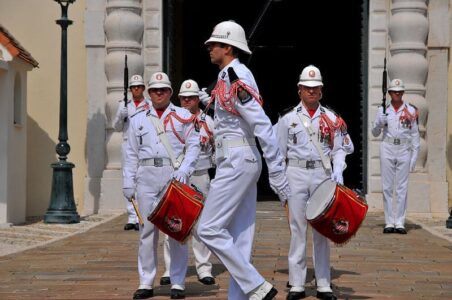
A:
(176, 162)
(326, 162)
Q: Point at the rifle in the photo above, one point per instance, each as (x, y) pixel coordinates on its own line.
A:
(256, 24)
(384, 86)
(126, 83)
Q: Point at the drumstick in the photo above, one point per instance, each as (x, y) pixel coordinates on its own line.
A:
(137, 211)
(286, 206)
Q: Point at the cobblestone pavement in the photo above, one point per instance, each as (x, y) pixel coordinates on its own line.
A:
(34, 232)
(99, 262)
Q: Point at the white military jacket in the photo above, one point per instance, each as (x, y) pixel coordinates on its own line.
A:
(401, 124)
(205, 160)
(143, 142)
(251, 121)
(119, 124)
(294, 140)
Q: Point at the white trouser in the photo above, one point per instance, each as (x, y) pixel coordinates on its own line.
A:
(131, 214)
(150, 181)
(200, 251)
(227, 221)
(395, 168)
(302, 184)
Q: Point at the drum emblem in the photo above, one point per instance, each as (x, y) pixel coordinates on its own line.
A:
(174, 224)
(340, 226)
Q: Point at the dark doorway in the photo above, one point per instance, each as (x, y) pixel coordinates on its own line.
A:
(291, 35)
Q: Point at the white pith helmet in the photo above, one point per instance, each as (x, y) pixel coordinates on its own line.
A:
(231, 33)
(396, 85)
(159, 80)
(189, 88)
(136, 80)
(310, 76)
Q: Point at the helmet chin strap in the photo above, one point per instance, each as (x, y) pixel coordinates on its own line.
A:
(317, 104)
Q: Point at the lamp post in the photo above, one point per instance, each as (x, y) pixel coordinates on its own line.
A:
(62, 208)
(449, 221)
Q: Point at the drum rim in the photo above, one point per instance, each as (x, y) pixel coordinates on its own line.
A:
(329, 203)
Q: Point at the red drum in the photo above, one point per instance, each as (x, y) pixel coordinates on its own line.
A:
(335, 211)
(178, 210)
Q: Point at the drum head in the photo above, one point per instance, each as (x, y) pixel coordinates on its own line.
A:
(320, 199)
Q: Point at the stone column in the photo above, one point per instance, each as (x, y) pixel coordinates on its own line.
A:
(96, 92)
(417, 37)
(124, 32)
(408, 30)
(153, 37)
(410, 61)
(378, 44)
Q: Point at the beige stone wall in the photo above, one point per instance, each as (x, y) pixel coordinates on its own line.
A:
(33, 24)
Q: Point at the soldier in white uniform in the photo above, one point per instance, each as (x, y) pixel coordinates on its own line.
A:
(189, 99)
(306, 169)
(398, 154)
(147, 170)
(227, 222)
(121, 123)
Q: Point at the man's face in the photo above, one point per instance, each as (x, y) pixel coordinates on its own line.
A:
(216, 52)
(190, 102)
(160, 97)
(310, 95)
(137, 91)
(396, 96)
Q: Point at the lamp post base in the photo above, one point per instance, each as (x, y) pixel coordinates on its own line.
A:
(62, 208)
(449, 221)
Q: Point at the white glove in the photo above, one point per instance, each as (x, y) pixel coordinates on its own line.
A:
(203, 96)
(382, 120)
(180, 176)
(124, 112)
(128, 193)
(337, 176)
(280, 185)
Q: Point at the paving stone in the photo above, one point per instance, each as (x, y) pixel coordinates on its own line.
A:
(98, 261)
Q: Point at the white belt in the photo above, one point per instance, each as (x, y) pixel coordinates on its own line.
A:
(395, 141)
(305, 164)
(155, 162)
(224, 143)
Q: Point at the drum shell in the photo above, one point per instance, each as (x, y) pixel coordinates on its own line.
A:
(341, 219)
(177, 211)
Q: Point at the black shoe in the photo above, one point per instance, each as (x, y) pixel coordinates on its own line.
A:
(208, 280)
(137, 226)
(288, 285)
(296, 295)
(271, 294)
(177, 294)
(401, 230)
(326, 296)
(129, 226)
(165, 280)
(389, 230)
(143, 294)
